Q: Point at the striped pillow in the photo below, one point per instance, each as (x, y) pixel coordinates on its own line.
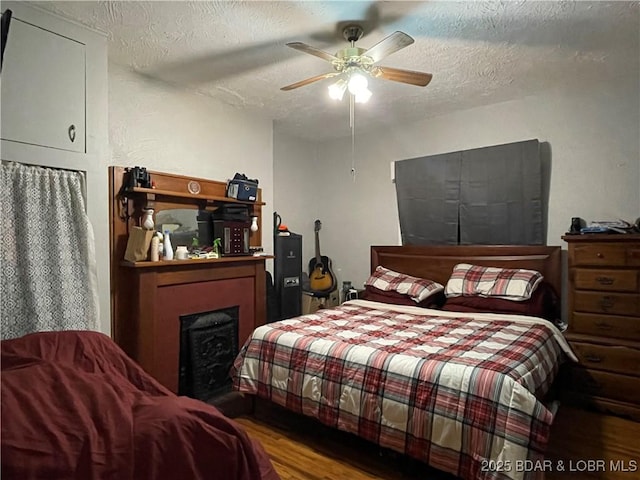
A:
(509, 283)
(416, 288)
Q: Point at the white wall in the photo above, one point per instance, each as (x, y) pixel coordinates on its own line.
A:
(293, 180)
(162, 128)
(594, 169)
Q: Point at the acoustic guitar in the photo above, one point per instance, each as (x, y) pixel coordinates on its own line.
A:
(321, 278)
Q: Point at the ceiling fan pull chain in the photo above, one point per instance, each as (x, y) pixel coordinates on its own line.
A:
(352, 123)
(351, 110)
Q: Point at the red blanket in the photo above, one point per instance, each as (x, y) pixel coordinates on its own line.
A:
(74, 406)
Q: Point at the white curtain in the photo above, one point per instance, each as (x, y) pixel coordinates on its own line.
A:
(47, 260)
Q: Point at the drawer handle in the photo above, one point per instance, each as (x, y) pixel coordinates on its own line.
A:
(603, 326)
(599, 255)
(605, 280)
(592, 358)
(606, 303)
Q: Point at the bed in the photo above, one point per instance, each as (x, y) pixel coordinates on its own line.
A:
(465, 392)
(74, 406)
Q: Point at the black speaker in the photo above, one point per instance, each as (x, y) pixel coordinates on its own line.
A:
(273, 314)
(288, 274)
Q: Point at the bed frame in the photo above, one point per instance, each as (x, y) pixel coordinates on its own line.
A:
(437, 262)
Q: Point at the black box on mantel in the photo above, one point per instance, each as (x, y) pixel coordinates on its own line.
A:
(233, 212)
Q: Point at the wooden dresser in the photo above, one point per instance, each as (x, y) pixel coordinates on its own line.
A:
(604, 322)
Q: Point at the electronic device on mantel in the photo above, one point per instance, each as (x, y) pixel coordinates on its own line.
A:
(233, 235)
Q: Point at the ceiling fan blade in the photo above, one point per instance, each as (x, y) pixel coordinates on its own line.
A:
(307, 81)
(389, 45)
(303, 47)
(419, 79)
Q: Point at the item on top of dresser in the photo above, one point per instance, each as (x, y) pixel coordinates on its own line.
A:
(594, 229)
(576, 225)
(606, 226)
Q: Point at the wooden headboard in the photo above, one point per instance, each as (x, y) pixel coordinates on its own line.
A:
(437, 262)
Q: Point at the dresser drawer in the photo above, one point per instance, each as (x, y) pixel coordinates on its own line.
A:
(624, 388)
(606, 255)
(609, 280)
(610, 303)
(599, 255)
(633, 255)
(603, 357)
(606, 325)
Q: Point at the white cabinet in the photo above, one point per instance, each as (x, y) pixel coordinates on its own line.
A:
(43, 88)
(54, 75)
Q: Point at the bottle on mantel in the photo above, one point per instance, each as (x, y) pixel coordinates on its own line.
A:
(155, 249)
(168, 249)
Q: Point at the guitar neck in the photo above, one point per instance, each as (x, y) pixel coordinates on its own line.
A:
(318, 259)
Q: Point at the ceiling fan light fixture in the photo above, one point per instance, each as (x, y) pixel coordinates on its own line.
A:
(363, 95)
(337, 89)
(357, 82)
(358, 63)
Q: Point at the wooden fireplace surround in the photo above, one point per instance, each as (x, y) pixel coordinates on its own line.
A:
(148, 298)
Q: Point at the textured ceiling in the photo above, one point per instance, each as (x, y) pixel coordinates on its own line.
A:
(478, 52)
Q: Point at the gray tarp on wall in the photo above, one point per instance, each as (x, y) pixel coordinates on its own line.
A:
(490, 195)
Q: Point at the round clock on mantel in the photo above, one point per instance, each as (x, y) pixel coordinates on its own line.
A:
(193, 187)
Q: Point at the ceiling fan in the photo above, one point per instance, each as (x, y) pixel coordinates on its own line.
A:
(353, 64)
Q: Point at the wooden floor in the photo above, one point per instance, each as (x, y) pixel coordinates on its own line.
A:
(302, 449)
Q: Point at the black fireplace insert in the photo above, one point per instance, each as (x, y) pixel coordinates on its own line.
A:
(208, 347)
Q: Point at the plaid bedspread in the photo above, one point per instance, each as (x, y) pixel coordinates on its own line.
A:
(457, 391)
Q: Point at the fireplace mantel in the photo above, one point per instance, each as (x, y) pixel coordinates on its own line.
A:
(148, 298)
(160, 295)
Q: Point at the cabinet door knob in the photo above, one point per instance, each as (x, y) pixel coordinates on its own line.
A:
(72, 132)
